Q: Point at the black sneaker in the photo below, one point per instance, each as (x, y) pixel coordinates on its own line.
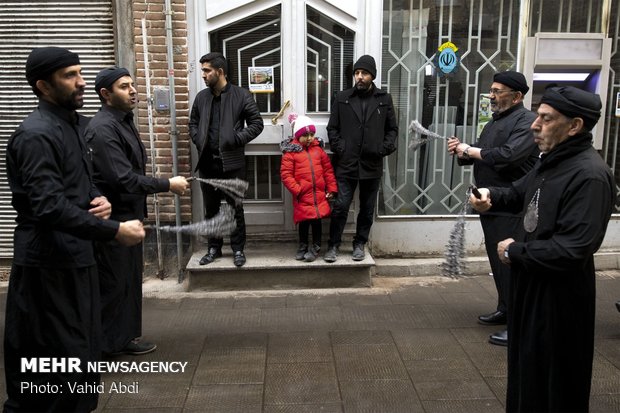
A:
(301, 251)
(358, 252)
(239, 259)
(136, 347)
(331, 254)
(210, 256)
(312, 253)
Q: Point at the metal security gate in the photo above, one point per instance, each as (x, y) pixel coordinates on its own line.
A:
(84, 27)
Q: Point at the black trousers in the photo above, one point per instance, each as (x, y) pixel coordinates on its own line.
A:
(212, 199)
(340, 211)
(120, 277)
(51, 313)
(497, 228)
(317, 231)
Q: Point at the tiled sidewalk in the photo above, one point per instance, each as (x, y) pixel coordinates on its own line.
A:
(405, 345)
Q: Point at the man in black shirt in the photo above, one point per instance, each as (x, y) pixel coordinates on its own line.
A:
(52, 306)
(119, 161)
(504, 153)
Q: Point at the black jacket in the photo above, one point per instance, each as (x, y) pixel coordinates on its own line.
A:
(551, 323)
(359, 143)
(238, 108)
(119, 161)
(49, 174)
(508, 148)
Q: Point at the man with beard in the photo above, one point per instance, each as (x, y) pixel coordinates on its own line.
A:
(52, 308)
(362, 129)
(224, 118)
(504, 153)
(568, 199)
(119, 161)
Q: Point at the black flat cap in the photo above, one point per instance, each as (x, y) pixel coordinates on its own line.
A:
(574, 103)
(514, 80)
(43, 61)
(106, 77)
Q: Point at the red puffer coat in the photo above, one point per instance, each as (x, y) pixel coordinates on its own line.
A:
(308, 174)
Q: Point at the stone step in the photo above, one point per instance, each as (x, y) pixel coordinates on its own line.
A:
(273, 267)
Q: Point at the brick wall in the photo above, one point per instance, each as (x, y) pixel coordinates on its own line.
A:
(153, 10)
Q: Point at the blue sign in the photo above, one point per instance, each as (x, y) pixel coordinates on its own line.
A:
(447, 60)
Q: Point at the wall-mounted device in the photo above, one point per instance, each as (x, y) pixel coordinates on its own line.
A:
(162, 99)
(568, 59)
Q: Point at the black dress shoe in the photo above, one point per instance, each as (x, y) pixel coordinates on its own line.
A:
(239, 258)
(494, 319)
(500, 338)
(618, 305)
(210, 256)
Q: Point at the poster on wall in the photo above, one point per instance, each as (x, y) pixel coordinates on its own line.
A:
(618, 105)
(484, 111)
(260, 79)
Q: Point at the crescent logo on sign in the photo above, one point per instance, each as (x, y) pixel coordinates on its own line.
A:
(447, 60)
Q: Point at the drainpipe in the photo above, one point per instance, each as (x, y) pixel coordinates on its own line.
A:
(173, 131)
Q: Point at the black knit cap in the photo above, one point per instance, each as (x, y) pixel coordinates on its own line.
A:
(514, 80)
(43, 61)
(367, 63)
(106, 77)
(574, 103)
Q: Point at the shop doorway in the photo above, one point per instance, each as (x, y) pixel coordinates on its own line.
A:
(302, 54)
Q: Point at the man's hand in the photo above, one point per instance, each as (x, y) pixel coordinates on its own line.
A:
(178, 185)
(501, 248)
(101, 207)
(483, 203)
(130, 232)
(453, 143)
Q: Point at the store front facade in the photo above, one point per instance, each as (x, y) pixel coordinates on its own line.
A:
(310, 47)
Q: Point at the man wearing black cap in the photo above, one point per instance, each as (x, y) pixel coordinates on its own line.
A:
(568, 199)
(362, 129)
(53, 310)
(119, 161)
(504, 153)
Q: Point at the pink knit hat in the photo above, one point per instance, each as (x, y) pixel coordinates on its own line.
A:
(303, 125)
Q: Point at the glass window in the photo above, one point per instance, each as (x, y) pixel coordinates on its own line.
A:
(254, 41)
(329, 56)
(427, 180)
(263, 174)
(567, 16)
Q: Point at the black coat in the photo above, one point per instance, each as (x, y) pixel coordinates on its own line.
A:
(359, 142)
(507, 147)
(238, 109)
(50, 178)
(119, 161)
(551, 318)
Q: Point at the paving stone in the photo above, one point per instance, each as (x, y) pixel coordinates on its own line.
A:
(362, 337)
(301, 383)
(371, 396)
(369, 362)
(462, 406)
(299, 347)
(454, 390)
(224, 398)
(224, 365)
(427, 344)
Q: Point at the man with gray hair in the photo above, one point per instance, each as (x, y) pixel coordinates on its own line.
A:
(568, 199)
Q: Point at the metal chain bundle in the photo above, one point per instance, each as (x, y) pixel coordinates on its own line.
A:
(235, 188)
(420, 135)
(223, 223)
(454, 265)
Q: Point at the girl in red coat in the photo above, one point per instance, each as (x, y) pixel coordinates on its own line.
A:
(307, 173)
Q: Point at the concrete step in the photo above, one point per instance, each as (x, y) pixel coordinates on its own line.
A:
(273, 267)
